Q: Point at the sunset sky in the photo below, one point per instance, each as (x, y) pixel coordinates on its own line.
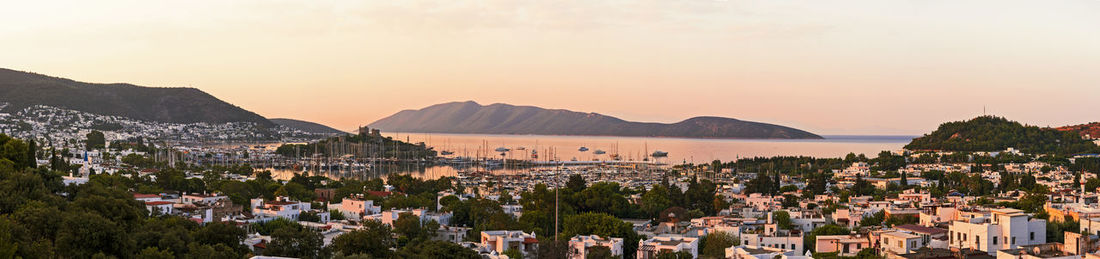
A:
(829, 67)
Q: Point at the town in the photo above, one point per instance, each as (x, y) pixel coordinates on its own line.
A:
(109, 195)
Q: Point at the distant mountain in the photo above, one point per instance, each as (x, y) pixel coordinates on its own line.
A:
(989, 133)
(471, 117)
(306, 126)
(1091, 130)
(175, 105)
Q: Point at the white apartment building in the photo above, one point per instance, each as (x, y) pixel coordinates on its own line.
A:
(1004, 229)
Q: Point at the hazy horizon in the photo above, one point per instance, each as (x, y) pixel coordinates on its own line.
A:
(832, 68)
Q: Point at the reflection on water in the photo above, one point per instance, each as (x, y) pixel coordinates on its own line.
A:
(422, 171)
(635, 148)
(567, 148)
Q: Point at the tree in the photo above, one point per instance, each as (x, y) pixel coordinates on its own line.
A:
(95, 140)
(295, 241)
(154, 253)
(513, 253)
(296, 191)
(715, 244)
(374, 239)
(877, 219)
(576, 183)
(436, 249)
(32, 155)
(85, 234)
(782, 219)
(655, 200)
(409, 227)
(598, 252)
(666, 254)
(832, 229)
(221, 233)
(904, 180)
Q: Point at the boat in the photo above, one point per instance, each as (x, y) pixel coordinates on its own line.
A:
(599, 152)
(502, 149)
(659, 153)
(534, 154)
(582, 149)
(446, 153)
(521, 148)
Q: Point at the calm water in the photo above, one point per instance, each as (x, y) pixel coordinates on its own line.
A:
(679, 150)
(565, 148)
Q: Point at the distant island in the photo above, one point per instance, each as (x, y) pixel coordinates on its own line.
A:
(990, 133)
(473, 118)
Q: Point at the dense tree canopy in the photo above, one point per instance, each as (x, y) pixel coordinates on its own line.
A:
(989, 133)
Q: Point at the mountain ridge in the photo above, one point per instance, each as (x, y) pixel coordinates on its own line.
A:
(161, 104)
(499, 118)
(306, 126)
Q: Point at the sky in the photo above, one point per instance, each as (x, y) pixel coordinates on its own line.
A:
(830, 67)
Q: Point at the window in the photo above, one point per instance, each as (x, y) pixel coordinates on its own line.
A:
(994, 240)
(1032, 236)
(784, 246)
(1013, 240)
(913, 244)
(978, 241)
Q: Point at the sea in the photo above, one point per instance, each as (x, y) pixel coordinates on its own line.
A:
(680, 150)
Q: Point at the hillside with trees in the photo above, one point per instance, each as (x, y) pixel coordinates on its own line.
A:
(175, 105)
(990, 133)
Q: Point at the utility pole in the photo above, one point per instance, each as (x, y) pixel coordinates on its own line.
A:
(556, 203)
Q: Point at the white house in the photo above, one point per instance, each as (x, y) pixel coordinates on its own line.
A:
(282, 207)
(648, 249)
(356, 208)
(504, 240)
(580, 245)
(900, 243)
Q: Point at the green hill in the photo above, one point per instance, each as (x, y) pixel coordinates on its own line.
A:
(989, 133)
(175, 105)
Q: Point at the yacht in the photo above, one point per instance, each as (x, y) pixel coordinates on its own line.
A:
(582, 149)
(659, 153)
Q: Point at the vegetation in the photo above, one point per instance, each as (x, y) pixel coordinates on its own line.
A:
(175, 105)
(360, 145)
(989, 133)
